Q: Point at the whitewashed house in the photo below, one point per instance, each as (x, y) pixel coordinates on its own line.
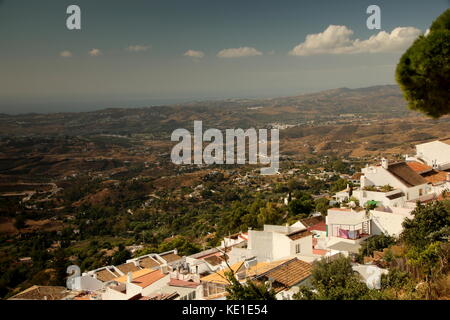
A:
(436, 154)
(391, 185)
(274, 243)
(346, 229)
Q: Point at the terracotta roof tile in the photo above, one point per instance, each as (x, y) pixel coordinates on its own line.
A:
(214, 260)
(357, 176)
(291, 272)
(105, 275)
(435, 176)
(183, 284)
(320, 252)
(148, 262)
(134, 274)
(264, 267)
(128, 267)
(170, 257)
(418, 167)
(311, 221)
(162, 296)
(148, 279)
(219, 276)
(42, 293)
(299, 234)
(321, 226)
(405, 174)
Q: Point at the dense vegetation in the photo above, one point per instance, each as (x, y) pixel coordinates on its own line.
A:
(423, 275)
(423, 72)
(96, 224)
(336, 280)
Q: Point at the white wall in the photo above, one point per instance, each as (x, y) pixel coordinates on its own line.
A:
(363, 196)
(388, 222)
(87, 283)
(202, 265)
(413, 192)
(345, 217)
(154, 287)
(438, 189)
(281, 246)
(270, 246)
(131, 291)
(284, 229)
(239, 254)
(435, 151)
(260, 244)
(305, 246)
(378, 176)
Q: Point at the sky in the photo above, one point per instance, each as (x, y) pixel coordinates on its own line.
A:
(138, 53)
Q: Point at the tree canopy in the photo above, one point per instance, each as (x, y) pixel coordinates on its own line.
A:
(423, 72)
(336, 280)
(249, 291)
(426, 237)
(375, 243)
(430, 224)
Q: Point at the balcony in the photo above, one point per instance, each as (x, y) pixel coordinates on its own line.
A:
(357, 231)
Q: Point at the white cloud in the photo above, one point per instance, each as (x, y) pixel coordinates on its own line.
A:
(194, 54)
(65, 54)
(137, 48)
(95, 52)
(336, 40)
(239, 52)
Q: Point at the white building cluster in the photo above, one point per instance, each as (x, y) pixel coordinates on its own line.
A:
(280, 256)
(389, 192)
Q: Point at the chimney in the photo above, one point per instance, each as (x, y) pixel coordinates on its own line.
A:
(269, 283)
(129, 277)
(448, 176)
(164, 269)
(384, 163)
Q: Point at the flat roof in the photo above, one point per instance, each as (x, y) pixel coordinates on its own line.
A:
(345, 246)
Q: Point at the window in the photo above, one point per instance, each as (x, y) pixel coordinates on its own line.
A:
(297, 248)
(420, 192)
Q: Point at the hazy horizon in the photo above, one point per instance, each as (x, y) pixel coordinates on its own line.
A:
(46, 108)
(139, 53)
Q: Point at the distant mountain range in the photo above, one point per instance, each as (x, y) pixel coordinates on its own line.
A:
(371, 102)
